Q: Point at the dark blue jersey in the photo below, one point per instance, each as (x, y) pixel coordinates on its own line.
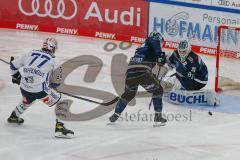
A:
(192, 71)
(147, 53)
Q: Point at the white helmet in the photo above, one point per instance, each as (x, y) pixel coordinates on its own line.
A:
(51, 45)
(184, 48)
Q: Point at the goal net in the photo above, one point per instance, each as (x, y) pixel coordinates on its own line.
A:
(228, 59)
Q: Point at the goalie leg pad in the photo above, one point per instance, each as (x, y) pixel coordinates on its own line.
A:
(212, 98)
(167, 86)
(201, 97)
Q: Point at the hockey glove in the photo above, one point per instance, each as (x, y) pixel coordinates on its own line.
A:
(162, 59)
(16, 78)
(54, 85)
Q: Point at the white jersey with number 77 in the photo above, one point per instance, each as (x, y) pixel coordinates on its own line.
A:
(37, 66)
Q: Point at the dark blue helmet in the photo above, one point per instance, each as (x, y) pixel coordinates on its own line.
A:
(156, 35)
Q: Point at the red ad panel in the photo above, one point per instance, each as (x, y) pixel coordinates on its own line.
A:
(110, 19)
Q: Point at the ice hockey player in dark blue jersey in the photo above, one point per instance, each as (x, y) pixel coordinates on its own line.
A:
(192, 74)
(139, 72)
(191, 71)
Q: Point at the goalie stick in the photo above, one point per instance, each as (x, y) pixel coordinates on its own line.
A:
(92, 101)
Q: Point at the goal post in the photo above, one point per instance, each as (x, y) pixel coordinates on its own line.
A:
(227, 59)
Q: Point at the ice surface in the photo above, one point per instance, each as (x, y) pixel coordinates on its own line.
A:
(191, 135)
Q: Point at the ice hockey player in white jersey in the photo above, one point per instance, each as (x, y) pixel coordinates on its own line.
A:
(37, 68)
(191, 77)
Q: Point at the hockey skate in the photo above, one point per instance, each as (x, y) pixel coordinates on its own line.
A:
(114, 118)
(15, 119)
(159, 120)
(62, 132)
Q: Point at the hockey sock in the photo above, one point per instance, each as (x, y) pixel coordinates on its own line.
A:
(20, 108)
(121, 105)
(59, 120)
(157, 103)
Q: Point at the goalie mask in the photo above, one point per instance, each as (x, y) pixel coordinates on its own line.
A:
(50, 45)
(184, 48)
(158, 36)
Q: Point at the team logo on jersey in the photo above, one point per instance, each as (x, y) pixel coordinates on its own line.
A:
(190, 59)
(184, 63)
(48, 9)
(193, 69)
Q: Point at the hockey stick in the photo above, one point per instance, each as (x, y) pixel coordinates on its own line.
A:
(172, 75)
(4, 61)
(92, 101)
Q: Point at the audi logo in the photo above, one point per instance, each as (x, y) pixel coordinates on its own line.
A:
(48, 7)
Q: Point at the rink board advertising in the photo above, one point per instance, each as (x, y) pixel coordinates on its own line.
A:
(200, 26)
(226, 4)
(108, 19)
(128, 20)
